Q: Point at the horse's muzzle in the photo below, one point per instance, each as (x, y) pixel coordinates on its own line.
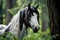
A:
(36, 29)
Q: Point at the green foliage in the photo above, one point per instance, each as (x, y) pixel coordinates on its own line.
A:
(38, 36)
(8, 36)
(13, 11)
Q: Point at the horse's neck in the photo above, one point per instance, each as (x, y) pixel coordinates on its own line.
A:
(22, 33)
(14, 24)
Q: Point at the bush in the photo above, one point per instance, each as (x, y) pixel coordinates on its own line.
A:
(39, 36)
(8, 36)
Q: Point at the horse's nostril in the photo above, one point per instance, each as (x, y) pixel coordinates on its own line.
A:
(36, 29)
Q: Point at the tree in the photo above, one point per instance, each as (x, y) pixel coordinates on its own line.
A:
(1, 11)
(10, 4)
(54, 16)
(44, 18)
(44, 15)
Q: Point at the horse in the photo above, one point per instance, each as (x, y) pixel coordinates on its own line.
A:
(27, 17)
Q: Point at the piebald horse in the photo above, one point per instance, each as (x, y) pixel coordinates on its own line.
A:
(27, 17)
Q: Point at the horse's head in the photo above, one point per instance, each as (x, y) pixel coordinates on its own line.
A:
(33, 16)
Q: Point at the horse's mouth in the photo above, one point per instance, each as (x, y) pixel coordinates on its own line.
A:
(35, 30)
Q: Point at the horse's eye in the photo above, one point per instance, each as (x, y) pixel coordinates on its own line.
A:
(32, 14)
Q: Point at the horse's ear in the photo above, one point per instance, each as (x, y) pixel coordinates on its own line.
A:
(29, 5)
(37, 6)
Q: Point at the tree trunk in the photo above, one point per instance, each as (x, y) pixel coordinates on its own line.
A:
(54, 16)
(44, 16)
(1, 12)
(43, 25)
(10, 4)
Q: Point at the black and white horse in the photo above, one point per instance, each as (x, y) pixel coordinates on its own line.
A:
(27, 17)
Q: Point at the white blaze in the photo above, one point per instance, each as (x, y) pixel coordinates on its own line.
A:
(34, 21)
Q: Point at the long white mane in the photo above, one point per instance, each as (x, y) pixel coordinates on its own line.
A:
(14, 24)
(2, 28)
